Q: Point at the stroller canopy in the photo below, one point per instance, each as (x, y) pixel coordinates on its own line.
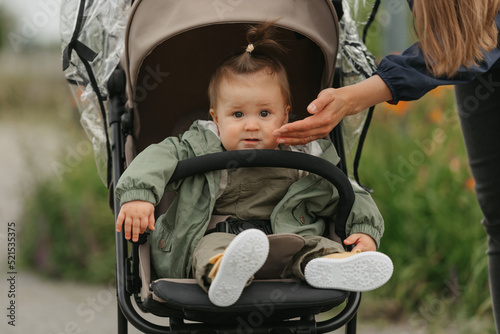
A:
(173, 47)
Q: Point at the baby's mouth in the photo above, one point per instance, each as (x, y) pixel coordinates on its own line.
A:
(252, 139)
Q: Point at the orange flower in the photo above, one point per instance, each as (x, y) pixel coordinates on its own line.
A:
(399, 109)
(470, 183)
(440, 91)
(436, 92)
(436, 115)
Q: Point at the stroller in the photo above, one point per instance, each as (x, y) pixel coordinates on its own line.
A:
(155, 87)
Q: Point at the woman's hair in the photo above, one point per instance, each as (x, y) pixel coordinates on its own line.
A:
(455, 32)
(261, 54)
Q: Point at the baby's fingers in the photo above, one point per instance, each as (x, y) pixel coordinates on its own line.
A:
(137, 229)
(351, 239)
(151, 222)
(120, 221)
(128, 226)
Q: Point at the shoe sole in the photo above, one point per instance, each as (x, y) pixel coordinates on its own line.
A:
(360, 272)
(244, 256)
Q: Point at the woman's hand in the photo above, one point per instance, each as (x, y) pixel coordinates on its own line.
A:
(327, 111)
(330, 107)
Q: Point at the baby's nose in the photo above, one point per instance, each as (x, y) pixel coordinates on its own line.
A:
(251, 125)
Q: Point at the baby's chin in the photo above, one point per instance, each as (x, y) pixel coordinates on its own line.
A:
(253, 147)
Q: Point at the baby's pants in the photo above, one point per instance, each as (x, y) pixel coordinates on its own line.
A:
(215, 243)
(479, 111)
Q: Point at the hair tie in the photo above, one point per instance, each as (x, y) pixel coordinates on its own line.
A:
(250, 48)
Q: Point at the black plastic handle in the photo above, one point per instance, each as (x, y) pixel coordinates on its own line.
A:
(274, 158)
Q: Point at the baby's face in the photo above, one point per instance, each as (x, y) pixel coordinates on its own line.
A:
(248, 110)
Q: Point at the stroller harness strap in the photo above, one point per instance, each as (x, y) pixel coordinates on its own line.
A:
(236, 226)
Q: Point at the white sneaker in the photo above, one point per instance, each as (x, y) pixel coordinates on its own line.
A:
(244, 256)
(359, 272)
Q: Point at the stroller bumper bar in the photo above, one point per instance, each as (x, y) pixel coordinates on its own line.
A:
(234, 159)
(274, 158)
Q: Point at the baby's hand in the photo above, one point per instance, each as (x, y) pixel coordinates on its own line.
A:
(137, 216)
(362, 241)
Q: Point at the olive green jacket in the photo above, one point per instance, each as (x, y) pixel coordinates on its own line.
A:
(177, 232)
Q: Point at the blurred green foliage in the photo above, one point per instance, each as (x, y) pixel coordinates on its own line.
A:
(67, 227)
(414, 158)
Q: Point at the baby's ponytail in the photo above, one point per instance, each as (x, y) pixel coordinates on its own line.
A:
(262, 52)
(263, 39)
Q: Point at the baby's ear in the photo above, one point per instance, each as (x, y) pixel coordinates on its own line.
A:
(213, 115)
(287, 112)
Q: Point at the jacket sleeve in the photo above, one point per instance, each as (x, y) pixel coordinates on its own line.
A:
(408, 78)
(312, 201)
(365, 216)
(147, 176)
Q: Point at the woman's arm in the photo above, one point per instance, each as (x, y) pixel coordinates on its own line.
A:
(398, 77)
(331, 106)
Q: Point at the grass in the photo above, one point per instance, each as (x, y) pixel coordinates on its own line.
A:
(415, 160)
(66, 226)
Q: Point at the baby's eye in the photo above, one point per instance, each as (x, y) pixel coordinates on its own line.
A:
(265, 113)
(238, 114)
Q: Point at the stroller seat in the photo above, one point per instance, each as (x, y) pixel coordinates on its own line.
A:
(269, 300)
(274, 299)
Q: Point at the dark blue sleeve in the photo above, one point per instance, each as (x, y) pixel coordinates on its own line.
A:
(407, 76)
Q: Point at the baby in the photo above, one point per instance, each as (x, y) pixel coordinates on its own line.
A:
(250, 98)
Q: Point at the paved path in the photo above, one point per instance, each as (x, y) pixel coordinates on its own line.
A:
(42, 306)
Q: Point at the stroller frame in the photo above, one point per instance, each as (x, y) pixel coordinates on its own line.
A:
(121, 114)
(128, 281)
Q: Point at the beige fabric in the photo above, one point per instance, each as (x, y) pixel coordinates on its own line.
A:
(216, 219)
(253, 193)
(130, 152)
(145, 270)
(172, 48)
